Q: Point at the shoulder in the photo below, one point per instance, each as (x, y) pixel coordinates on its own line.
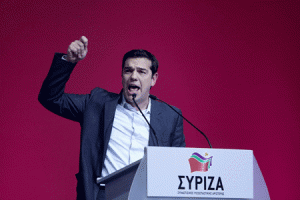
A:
(159, 107)
(103, 95)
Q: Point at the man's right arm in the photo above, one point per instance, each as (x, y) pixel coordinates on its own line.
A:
(52, 94)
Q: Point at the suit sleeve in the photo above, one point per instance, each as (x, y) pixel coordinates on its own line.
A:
(178, 139)
(52, 96)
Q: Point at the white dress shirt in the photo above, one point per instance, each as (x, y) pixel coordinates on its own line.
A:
(129, 136)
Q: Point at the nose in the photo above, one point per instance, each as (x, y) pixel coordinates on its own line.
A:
(133, 76)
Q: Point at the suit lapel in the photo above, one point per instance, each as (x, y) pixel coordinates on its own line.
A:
(156, 121)
(109, 113)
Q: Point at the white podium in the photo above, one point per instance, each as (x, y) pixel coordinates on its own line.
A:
(188, 173)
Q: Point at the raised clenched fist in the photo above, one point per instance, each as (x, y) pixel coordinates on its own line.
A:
(77, 50)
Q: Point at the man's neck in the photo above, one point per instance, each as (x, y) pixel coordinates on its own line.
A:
(143, 105)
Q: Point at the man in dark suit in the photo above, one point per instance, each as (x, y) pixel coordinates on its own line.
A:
(113, 132)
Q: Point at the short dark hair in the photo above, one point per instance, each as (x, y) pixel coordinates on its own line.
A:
(140, 53)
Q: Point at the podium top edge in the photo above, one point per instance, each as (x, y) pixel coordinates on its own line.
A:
(118, 173)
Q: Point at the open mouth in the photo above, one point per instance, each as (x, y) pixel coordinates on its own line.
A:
(133, 88)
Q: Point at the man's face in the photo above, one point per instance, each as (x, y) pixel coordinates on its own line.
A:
(137, 79)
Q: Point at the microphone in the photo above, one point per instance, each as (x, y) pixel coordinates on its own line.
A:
(157, 99)
(133, 98)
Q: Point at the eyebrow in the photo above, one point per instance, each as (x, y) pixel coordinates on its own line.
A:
(138, 68)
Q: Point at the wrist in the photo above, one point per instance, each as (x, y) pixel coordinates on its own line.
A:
(65, 58)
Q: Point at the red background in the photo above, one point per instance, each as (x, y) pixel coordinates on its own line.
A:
(232, 67)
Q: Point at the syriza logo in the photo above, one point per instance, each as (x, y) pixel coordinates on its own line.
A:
(199, 183)
(199, 163)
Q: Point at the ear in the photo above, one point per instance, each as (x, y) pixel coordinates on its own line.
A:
(154, 79)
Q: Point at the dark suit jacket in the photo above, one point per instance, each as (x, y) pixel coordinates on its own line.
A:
(95, 113)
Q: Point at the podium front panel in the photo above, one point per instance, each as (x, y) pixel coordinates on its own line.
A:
(202, 173)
